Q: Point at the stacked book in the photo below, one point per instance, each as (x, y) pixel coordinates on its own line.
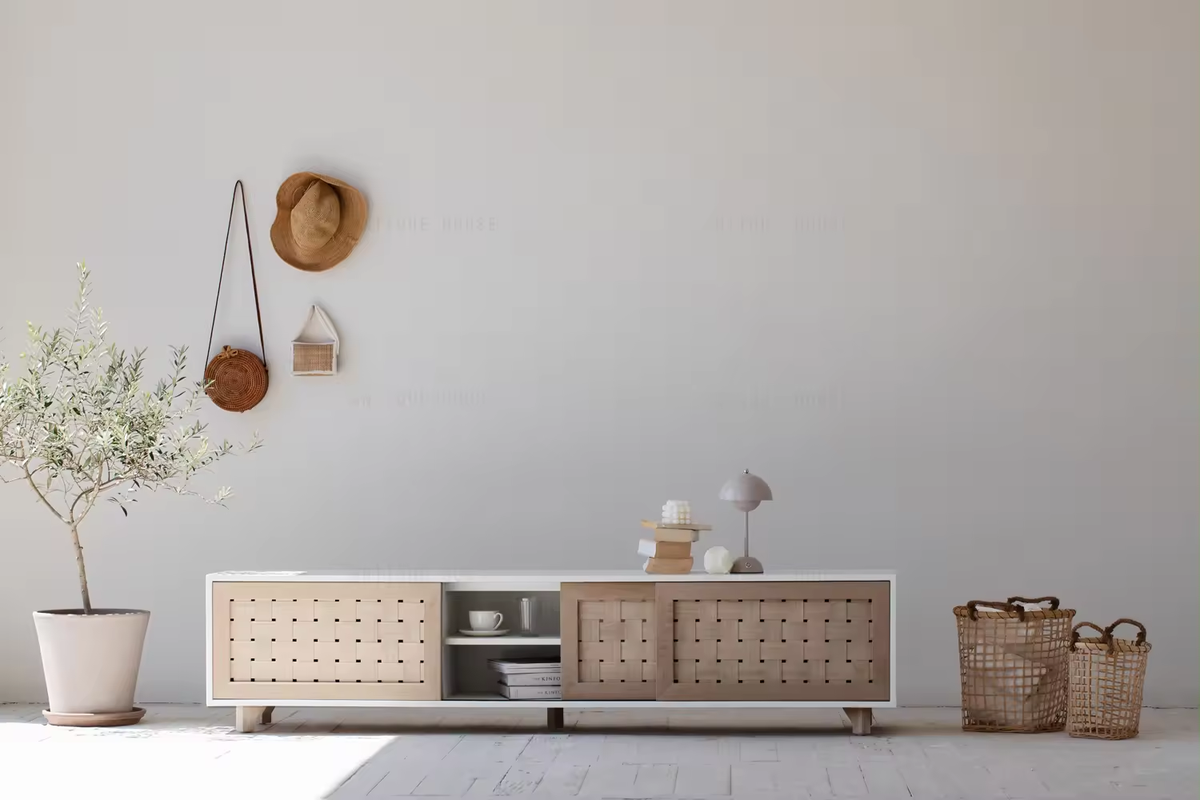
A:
(528, 678)
(670, 551)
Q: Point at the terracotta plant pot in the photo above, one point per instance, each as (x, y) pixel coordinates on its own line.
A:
(91, 663)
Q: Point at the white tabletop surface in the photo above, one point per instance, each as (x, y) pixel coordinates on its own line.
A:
(523, 576)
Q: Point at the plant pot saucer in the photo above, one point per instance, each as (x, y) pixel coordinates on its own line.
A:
(109, 719)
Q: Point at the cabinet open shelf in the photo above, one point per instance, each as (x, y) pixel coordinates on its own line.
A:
(503, 640)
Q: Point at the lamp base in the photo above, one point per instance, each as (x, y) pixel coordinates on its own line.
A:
(747, 565)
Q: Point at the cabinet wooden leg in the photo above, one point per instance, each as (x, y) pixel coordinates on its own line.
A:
(554, 719)
(266, 715)
(247, 718)
(860, 720)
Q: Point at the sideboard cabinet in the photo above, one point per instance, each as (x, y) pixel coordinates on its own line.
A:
(625, 639)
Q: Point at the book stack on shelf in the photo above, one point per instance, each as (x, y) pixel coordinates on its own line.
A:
(670, 551)
(528, 678)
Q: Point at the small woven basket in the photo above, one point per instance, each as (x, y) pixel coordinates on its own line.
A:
(236, 380)
(320, 357)
(1013, 664)
(1106, 680)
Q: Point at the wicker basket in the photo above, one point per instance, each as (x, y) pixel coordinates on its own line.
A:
(1013, 664)
(319, 357)
(1106, 682)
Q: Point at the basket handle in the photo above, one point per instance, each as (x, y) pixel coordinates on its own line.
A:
(1053, 601)
(1141, 637)
(973, 611)
(1104, 635)
(318, 313)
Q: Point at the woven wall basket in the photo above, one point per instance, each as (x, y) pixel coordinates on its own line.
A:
(319, 356)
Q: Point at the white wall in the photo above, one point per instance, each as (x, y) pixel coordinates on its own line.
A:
(929, 268)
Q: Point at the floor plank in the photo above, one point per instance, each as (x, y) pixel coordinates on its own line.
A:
(759, 748)
(562, 780)
(883, 779)
(711, 779)
(523, 779)
(609, 780)
(655, 780)
(399, 781)
(847, 781)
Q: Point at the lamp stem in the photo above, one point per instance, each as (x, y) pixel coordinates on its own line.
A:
(746, 541)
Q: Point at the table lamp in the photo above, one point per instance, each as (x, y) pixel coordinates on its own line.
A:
(746, 491)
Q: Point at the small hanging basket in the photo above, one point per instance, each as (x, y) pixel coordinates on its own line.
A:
(316, 357)
(1107, 676)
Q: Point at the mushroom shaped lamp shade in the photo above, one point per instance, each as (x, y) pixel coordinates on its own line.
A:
(746, 492)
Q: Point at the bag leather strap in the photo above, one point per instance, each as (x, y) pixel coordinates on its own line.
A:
(253, 278)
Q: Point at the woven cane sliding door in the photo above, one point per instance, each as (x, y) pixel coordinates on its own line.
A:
(608, 647)
(774, 641)
(326, 641)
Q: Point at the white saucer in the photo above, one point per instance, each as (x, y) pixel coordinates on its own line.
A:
(496, 632)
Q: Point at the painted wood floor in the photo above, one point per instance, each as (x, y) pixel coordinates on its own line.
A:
(350, 754)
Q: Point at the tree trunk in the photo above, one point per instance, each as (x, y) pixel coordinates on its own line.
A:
(83, 587)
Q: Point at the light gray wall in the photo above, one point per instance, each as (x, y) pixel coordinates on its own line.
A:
(930, 268)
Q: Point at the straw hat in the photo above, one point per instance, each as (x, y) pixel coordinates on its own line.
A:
(319, 221)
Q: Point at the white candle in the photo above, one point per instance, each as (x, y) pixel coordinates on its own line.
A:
(676, 512)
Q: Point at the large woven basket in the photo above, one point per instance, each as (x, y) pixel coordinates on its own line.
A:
(1013, 664)
(1106, 680)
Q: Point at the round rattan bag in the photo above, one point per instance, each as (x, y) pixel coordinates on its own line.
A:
(236, 380)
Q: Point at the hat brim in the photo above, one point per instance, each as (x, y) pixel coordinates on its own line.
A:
(350, 227)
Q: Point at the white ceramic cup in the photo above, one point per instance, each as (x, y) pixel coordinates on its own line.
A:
(486, 620)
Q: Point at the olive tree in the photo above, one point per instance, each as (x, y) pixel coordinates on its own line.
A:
(76, 425)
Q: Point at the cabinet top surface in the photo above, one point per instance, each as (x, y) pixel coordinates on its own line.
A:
(493, 576)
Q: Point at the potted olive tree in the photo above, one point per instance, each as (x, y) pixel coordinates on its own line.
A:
(77, 427)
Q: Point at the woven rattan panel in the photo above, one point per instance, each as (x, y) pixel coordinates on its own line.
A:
(608, 642)
(326, 640)
(774, 641)
(308, 357)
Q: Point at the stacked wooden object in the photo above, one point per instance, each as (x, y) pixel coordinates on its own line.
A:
(670, 551)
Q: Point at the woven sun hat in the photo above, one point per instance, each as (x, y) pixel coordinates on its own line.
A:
(318, 222)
